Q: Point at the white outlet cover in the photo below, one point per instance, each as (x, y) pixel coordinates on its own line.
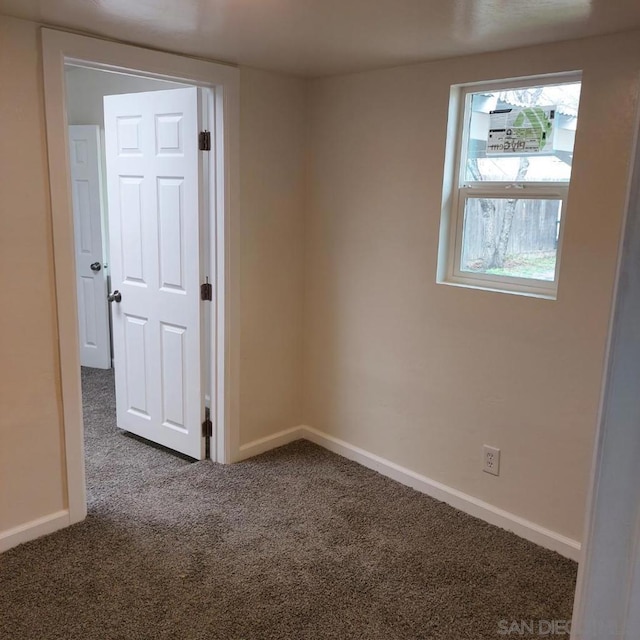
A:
(491, 460)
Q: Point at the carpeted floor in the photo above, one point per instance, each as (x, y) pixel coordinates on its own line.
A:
(295, 544)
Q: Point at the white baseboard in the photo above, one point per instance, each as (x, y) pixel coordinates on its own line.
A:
(468, 504)
(462, 501)
(34, 529)
(256, 447)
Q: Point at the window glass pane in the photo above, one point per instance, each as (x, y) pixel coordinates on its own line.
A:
(522, 135)
(511, 237)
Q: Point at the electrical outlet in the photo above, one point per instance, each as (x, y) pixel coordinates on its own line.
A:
(491, 460)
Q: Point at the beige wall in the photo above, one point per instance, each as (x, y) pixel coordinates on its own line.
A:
(31, 477)
(31, 458)
(424, 374)
(272, 120)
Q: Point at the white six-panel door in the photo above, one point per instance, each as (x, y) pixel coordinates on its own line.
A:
(153, 176)
(91, 280)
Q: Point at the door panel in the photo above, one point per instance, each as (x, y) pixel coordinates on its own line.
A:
(136, 366)
(174, 375)
(131, 230)
(171, 250)
(153, 175)
(93, 315)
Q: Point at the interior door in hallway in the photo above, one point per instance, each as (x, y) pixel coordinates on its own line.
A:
(91, 280)
(153, 181)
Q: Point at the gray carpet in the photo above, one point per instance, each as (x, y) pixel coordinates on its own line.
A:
(298, 543)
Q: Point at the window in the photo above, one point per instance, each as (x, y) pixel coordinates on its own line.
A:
(506, 184)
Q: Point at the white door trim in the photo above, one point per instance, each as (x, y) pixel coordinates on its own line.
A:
(60, 48)
(607, 599)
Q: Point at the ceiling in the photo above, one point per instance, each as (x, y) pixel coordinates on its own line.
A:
(323, 37)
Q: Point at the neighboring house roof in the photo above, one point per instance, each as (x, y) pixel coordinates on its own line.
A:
(564, 110)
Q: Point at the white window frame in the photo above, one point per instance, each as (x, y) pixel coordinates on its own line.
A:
(457, 190)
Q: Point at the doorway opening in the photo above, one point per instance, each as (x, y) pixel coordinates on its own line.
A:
(141, 198)
(139, 193)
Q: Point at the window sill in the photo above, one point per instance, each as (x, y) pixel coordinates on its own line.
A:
(529, 291)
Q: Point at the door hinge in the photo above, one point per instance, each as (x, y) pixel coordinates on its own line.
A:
(207, 425)
(206, 291)
(204, 141)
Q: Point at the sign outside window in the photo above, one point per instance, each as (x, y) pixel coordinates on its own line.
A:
(521, 130)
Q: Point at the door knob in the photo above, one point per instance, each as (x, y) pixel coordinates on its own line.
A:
(96, 266)
(116, 296)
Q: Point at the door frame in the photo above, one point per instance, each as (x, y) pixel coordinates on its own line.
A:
(607, 597)
(60, 48)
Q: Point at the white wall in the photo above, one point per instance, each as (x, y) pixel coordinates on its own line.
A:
(86, 89)
(425, 374)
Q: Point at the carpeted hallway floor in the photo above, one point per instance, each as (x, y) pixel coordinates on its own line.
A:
(295, 544)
